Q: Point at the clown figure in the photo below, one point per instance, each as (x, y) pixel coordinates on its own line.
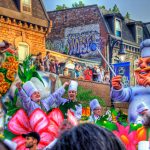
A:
(137, 94)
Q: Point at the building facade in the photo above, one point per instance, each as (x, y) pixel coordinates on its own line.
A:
(25, 25)
(78, 32)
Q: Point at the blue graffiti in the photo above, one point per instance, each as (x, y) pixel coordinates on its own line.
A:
(85, 42)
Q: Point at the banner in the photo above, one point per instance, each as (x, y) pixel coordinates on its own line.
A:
(123, 69)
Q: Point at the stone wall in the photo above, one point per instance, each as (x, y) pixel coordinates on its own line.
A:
(15, 32)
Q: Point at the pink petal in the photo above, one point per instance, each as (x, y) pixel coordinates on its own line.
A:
(53, 128)
(131, 147)
(117, 133)
(121, 129)
(57, 116)
(127, 128)
(71, 118)
(38, 120)
(46, 138)
(132, 137)
(19, 123)
(20, 142)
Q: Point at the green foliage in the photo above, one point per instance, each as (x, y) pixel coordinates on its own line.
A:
(134, 127)
(106, 124)
(84, 96)
(9, 135)
(115, 9)
(102, 7)
(59, 7)
(80, 4)
(26, 71)
(68, 105)
(127, 16)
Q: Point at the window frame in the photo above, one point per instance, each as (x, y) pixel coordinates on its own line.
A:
(30, 6)
(137, 35)
(117, 19)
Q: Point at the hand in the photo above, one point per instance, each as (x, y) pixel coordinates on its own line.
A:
(66, 84)
(52, 78)
(116, 82)
(18, 85)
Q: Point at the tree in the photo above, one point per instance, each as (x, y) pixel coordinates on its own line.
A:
(80, 4)
(59, 7)
(127, 16)
(115, 9)
(102, 7)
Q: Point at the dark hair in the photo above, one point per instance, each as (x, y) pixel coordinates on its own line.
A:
(3, 146)
(88, 137)
(146, 119)
(47, 52)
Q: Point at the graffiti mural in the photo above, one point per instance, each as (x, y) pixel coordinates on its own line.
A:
(80, 40)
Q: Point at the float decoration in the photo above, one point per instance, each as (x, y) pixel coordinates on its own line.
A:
(26, 70)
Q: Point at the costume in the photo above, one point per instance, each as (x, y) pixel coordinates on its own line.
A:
(93, 105)
(140, 93)
(29, 105)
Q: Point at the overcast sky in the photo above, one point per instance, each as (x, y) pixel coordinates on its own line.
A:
(138, 9)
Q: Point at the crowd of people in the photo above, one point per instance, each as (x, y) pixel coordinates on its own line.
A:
(88, 73)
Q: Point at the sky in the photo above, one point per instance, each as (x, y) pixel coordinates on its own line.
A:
(138, 9)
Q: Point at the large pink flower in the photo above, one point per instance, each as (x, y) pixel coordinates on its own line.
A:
(39, 122)
(128, 138)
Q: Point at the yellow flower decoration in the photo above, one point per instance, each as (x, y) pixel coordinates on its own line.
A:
(1, 77)
(4, 86)
(11, 75)
(11, 59)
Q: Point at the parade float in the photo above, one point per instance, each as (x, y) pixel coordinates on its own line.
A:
(15, 121)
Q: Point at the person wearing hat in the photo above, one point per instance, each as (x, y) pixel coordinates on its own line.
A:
(31, 98)
(32, 140)
(72, 93)
(142, 110)
(95, 110)
(137, 94)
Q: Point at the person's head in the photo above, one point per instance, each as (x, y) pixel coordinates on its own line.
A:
(146, 119)
(88, 137)
(142, 109)
(142, 73)
(48, 53)
(32, 91)
(32, 139)
(88, 68)
(72, 90)
(95, 107)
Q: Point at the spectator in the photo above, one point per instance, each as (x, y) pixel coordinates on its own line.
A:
(39, 63)
(52, 66)
(88, 137)
(100, 74)
(77, 70)
(88, 74)
(32, 140)
(66, 72)
(94, 73)
(47, 61)
(57, 66)
(107, 78)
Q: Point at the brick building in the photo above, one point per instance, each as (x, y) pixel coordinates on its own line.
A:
(24, 24)
(76, 31)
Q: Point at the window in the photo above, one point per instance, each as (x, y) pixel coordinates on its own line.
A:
(118, 28)
(26, 6)
(23, 51)
(139, 35)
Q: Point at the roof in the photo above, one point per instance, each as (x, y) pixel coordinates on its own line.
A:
(11, 8)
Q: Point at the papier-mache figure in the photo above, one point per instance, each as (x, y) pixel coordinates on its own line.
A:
(31, 98)
(137, 94)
